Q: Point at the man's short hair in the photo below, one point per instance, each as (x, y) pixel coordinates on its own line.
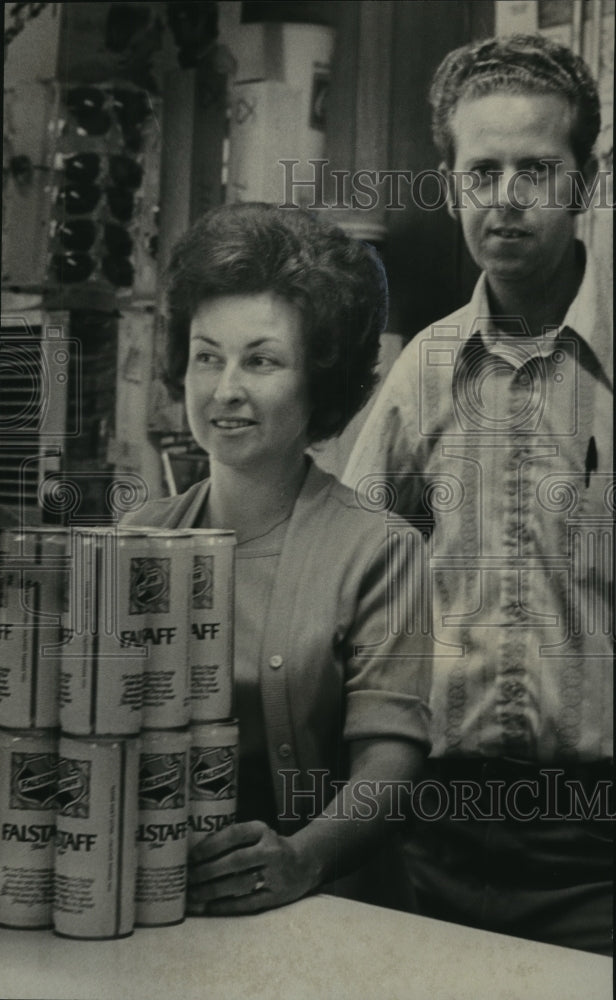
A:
(515, 64)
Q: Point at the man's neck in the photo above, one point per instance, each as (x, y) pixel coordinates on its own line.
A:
(542, 304)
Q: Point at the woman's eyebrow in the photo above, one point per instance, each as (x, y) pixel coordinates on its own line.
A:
(263, 340)
(250, 345)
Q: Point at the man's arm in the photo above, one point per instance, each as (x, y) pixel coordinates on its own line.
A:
(388, 448)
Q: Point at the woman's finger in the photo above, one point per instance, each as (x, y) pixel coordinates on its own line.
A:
(229, 887)
(229, 839)
(232, 907)
(244, 859)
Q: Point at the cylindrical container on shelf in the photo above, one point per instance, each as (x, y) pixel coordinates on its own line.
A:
(213, 778)
(32, 587)
(103, 659)
(211, 627)
(96, 852)
(162, 828)
(28, 774)
(166, 591)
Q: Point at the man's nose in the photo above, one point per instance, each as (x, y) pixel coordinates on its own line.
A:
(517, 189)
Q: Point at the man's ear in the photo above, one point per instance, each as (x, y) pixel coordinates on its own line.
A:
(584, 185)
(452, 207)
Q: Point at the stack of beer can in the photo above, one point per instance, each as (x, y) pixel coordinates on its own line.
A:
(32, 565)
(143, 693)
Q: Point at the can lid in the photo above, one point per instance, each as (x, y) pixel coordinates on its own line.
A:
(214, 724)
(170, 532)
(161, 737)
(20, 734)
(40, 529)
(225, 535)
(106, 740)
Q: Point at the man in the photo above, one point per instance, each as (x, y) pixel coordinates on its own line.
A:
(493, 431)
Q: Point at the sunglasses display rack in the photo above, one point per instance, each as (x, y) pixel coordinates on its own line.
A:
(103, 231)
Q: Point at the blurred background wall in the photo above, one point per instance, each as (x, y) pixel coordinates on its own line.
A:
(125, 121)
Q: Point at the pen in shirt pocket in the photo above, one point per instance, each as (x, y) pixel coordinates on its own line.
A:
(590, 464)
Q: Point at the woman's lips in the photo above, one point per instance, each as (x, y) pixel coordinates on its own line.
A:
(232, 423)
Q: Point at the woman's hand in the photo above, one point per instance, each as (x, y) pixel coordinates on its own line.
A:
(246, 868)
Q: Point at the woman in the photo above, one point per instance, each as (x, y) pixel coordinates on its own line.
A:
(274, 323)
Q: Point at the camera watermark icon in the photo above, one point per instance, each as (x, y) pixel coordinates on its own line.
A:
(498, 392)
(412, 577)
(64, 496)
(590, 561)
(41, 382)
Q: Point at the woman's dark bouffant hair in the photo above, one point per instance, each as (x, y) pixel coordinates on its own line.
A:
(337, 283)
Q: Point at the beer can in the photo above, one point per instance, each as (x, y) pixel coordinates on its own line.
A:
(162, 828)
(32, 586)
(103, 658)
(166, 586)
(96, 853)
(211, 627)
(28, 773)
(213, 778)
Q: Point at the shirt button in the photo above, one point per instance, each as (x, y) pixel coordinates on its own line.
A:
(284, 750)
(275, 662)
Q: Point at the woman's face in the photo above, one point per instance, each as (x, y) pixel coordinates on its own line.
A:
(246, 387)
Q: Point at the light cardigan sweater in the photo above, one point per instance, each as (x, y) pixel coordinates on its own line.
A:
(342, 572)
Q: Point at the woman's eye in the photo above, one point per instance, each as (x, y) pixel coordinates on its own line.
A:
(206, 358)
(262, 361)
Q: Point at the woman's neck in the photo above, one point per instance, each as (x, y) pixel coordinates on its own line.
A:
(252, 502)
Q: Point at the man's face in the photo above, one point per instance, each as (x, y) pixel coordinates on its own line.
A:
(501, 140)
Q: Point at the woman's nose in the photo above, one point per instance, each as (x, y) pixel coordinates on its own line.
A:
(229, 386)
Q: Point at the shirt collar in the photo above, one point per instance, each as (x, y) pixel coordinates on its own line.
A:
(587, 316)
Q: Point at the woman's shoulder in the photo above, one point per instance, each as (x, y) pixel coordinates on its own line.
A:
(346, 513)
(165, 512)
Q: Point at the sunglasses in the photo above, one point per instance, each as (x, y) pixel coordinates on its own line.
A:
(81, 234)
(95, 110)
(124, 172)
(76, 266)
(82, 197)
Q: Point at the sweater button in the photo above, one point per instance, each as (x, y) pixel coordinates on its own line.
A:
(284, 750)
(275, 662)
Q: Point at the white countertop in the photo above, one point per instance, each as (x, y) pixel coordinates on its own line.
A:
(322, 948)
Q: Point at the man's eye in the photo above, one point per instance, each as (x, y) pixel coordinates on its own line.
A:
(536, 169)
(486, 172)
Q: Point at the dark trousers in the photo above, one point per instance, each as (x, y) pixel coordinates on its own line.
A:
(523, 855)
